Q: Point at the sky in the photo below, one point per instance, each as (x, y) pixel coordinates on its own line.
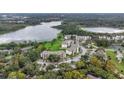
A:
(61, 6)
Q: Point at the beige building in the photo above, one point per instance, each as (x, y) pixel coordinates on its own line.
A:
(45, 54)
(67, 43)
(74, 49)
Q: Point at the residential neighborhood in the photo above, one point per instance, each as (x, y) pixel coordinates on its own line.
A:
(72, 48)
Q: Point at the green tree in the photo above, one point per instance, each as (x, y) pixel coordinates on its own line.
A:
(50, 75)
(110, 66)
(103, 43)
(23, 60)
(33, 55)
(80, 65)
(94, 60)
(40, 48)
(29, 69)
(74, 75)
(16, 75)
(85, 57)
(50, 67)
(54, 58)
(65, 66)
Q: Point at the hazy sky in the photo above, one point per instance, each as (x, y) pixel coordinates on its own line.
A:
(61, 6)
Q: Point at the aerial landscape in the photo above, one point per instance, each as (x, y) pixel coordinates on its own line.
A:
(61, 46)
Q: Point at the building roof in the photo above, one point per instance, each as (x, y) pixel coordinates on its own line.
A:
(68, 41)
(67, 36)
(73, 47)
(92, 77)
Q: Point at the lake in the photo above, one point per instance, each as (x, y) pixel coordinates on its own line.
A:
(42, 32)
(103, 30)
(116, 47)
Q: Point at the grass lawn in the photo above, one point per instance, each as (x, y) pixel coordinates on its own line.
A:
(8, 57)
(54, 45)
(112, 55)
(120, 66)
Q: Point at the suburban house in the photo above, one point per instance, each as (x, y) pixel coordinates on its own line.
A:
(45, 54)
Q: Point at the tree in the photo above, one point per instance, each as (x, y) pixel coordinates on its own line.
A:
(11, 45)
(50, 75)
(33, 55)
(103, 43)
(15, 59)
(16, 75)
(85, 57)
(74, 75)
(40, 48)
(50, 67)
(29, 69)
(17, 50)
(110, 66)
(80, 65)
(111, 76)
(54, 58)
(14, 65)
(94, 60)
(23, 60)
(65, 66)
(97, 71)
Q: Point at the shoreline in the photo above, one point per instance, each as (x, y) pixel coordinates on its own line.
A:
(17, 40)
(103, 30)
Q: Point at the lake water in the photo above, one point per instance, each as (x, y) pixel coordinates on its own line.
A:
(116, 47)
(43, 32)
(103, 30)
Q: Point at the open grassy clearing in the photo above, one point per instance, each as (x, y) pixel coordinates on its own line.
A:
(54, 45)
(120, 66)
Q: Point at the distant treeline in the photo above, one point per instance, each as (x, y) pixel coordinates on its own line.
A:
(85, 19)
